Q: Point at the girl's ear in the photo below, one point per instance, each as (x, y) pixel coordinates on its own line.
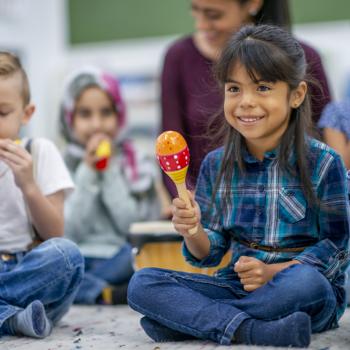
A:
(298, 95)
(254, 7)
(29, 109)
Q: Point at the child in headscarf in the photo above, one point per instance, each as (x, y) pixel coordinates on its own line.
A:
(115, 186)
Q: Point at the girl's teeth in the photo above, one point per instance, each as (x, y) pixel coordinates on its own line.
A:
(249, 119)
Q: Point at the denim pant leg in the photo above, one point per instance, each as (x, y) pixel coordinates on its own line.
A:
(50, 273)
(116, 270)
(101, 272)
(300, 287)
(347, 285)
(188, 303)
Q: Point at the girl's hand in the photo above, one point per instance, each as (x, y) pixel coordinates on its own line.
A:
(184, 219)
(91, 147)
(20, 162)
(253, 273)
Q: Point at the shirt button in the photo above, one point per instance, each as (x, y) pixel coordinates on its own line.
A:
(261, 188)
(342, 255)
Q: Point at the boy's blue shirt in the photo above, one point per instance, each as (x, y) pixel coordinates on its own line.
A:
(268, 207)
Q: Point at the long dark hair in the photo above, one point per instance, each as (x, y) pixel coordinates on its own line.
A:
(275, 12)
(268, 53)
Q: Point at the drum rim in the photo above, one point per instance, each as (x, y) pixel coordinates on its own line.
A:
(140, 240)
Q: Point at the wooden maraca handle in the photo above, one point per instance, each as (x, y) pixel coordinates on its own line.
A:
(182, 192)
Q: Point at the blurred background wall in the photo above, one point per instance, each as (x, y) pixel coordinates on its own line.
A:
(130, 37)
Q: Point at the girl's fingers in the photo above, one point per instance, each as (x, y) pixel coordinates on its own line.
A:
(251, 287)
(183, 229)
(184, 221)
(184, 213)
(251, 280)
(246, 275)
(179, 203)
(243, 267)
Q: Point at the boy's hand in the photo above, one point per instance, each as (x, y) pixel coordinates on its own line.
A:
(91, 147)
(20, 162)
(253, 273)
(184, 219)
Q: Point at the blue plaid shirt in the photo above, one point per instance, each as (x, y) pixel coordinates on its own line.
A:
(268, 207)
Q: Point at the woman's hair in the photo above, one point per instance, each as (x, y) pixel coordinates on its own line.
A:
(271, 54)
(274, 12)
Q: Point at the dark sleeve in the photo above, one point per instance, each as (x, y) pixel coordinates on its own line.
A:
(172, 101)
(319, 91)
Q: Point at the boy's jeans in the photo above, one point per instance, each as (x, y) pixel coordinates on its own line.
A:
(51, 273)
(102, 272)
(212, 308)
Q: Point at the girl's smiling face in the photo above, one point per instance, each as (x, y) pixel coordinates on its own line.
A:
(259, 110)
(94, 113)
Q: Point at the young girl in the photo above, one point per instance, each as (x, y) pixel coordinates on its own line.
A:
(276, 195)
(105, 203)
(189, 90)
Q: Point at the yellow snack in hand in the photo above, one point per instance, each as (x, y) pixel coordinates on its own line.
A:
(104, 149)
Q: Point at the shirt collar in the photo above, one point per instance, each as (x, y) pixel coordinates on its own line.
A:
(249, 158)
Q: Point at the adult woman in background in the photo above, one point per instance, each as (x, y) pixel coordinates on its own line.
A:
(190, 94)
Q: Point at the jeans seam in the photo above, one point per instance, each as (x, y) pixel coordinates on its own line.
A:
(227, 338)
(217, 284)
(68, 263)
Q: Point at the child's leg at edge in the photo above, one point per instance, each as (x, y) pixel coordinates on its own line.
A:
(43, 284)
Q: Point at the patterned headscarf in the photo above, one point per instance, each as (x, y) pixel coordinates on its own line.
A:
(74, 86)
(81, 80)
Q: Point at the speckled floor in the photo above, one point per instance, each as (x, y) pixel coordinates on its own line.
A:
(110, 328)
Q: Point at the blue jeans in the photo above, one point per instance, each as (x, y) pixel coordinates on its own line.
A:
(213, 308)
(102, 272)
(51, 273)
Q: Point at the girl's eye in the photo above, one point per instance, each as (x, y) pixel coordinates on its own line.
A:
(233, 89)
(3, 114)
(263, 88)
(83, 113)
(107, 112)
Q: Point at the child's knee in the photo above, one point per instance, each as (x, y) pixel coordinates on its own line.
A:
(68, 251)
(310, 283)
(140, 283)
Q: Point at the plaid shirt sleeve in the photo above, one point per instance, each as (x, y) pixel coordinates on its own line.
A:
(330, 255)
(211, 220)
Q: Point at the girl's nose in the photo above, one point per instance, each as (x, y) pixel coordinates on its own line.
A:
(96, 123)
(247, 101)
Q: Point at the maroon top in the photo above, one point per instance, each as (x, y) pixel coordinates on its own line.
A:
(190, 96)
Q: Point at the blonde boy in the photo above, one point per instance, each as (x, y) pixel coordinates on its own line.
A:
(37, 285)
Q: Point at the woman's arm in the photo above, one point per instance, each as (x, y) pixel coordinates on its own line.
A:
(172, 103)
(339, 142)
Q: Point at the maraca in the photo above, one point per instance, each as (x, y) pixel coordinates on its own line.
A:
(173, 156)
(103, 153)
